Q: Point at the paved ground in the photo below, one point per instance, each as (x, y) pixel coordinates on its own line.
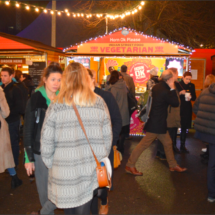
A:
(158, 191)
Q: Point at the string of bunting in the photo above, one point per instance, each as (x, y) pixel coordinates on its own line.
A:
(178, 45)
(69, 13)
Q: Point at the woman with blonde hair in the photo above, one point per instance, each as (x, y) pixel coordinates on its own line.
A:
(64, 148)
(209, 80)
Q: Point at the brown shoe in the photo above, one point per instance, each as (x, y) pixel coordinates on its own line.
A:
(104, 209)
(177, 169)
(133, 171)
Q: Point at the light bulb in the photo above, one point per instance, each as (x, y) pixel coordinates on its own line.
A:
(66, 10)
(52, 12)
(142, 3)
(68, 14)
(82, 14)
(78, 14)
(36, 9)
(27, 7)
(17, 5)
(59, 13)
(45, 11)
(7, 2)
(140, 7)
(74, 15)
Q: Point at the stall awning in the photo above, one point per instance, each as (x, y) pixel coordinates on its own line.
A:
(127, 42)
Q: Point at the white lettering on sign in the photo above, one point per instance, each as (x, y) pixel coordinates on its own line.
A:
(133, 39)
(139, 72)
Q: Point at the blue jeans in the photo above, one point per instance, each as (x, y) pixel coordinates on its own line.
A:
(211, 171)
(14, 138)
(11, 171)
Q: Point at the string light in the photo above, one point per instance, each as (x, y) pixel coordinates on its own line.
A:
(52, 12)
(59, 13)
(179, 46)
(66, 11)
(68, 14)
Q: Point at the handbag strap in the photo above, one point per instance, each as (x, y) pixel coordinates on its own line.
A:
(82, 126)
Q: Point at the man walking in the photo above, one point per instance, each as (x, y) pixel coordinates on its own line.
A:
(15, 102)
(163, 95)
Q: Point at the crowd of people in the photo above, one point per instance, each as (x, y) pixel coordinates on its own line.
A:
(56, 150)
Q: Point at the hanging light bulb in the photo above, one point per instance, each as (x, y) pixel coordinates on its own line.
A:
(74, 15)
(132, 12)
(52, 12)
(68, 14)
(140, 7)
(135, 10)
(17, 5)
(45, 11)
(78, 14)
(36, 9)
(59, 13)
(66, 10)
(129, 13)
(142, 2)
(7, 3)
(27, 7)
(82, 14)
(97, 15)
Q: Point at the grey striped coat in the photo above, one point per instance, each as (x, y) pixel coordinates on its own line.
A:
(66, 152)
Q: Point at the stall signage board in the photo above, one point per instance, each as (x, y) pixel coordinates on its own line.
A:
(36, 70)
(131, 43)
(12, 61)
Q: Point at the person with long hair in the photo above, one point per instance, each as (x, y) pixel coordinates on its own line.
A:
(208, 81)
(65, 150)
(119, 90)
(34, 117)
(187, 94)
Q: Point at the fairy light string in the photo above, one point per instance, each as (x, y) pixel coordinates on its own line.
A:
(38, 9)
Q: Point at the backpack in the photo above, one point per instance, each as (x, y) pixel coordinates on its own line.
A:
(145, 106)
(132, 102)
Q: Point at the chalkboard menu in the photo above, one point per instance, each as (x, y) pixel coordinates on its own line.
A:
(36, 70)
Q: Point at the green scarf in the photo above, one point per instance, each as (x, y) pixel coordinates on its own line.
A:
(44, 94)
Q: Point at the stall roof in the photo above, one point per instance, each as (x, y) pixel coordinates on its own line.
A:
(14, 43)
(127, 42)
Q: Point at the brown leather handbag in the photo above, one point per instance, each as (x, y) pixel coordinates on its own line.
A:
(101, 171)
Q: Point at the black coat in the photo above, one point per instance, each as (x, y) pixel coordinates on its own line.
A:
(15, 101)
(34, 117)
(162, 97)
(115, 116)
(186, 106)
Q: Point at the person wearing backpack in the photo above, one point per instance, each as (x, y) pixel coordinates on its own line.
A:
(163, 95)
(15, 101)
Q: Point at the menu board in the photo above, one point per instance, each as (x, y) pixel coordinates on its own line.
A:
(36, 70)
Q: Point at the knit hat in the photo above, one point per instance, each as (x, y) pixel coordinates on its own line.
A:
(154, 71)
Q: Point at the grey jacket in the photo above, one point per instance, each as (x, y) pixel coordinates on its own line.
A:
(204, 108)
(129, 82)
(119, 91)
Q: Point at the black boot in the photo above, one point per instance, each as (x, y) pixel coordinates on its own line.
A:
(16, 182)
(183, 139)
(175, 149)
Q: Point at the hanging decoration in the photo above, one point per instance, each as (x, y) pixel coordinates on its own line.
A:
(74, 14)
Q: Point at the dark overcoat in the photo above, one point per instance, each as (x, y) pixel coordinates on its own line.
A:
(162, 97)
(186, 106)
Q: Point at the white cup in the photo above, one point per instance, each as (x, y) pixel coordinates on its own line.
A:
(187, 97)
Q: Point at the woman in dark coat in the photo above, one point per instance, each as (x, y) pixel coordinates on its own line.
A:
(184, 87)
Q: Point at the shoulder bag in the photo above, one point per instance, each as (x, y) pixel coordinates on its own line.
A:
(103, 177)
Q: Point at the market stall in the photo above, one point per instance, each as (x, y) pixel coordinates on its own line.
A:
(139, 52)
(29, 56)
